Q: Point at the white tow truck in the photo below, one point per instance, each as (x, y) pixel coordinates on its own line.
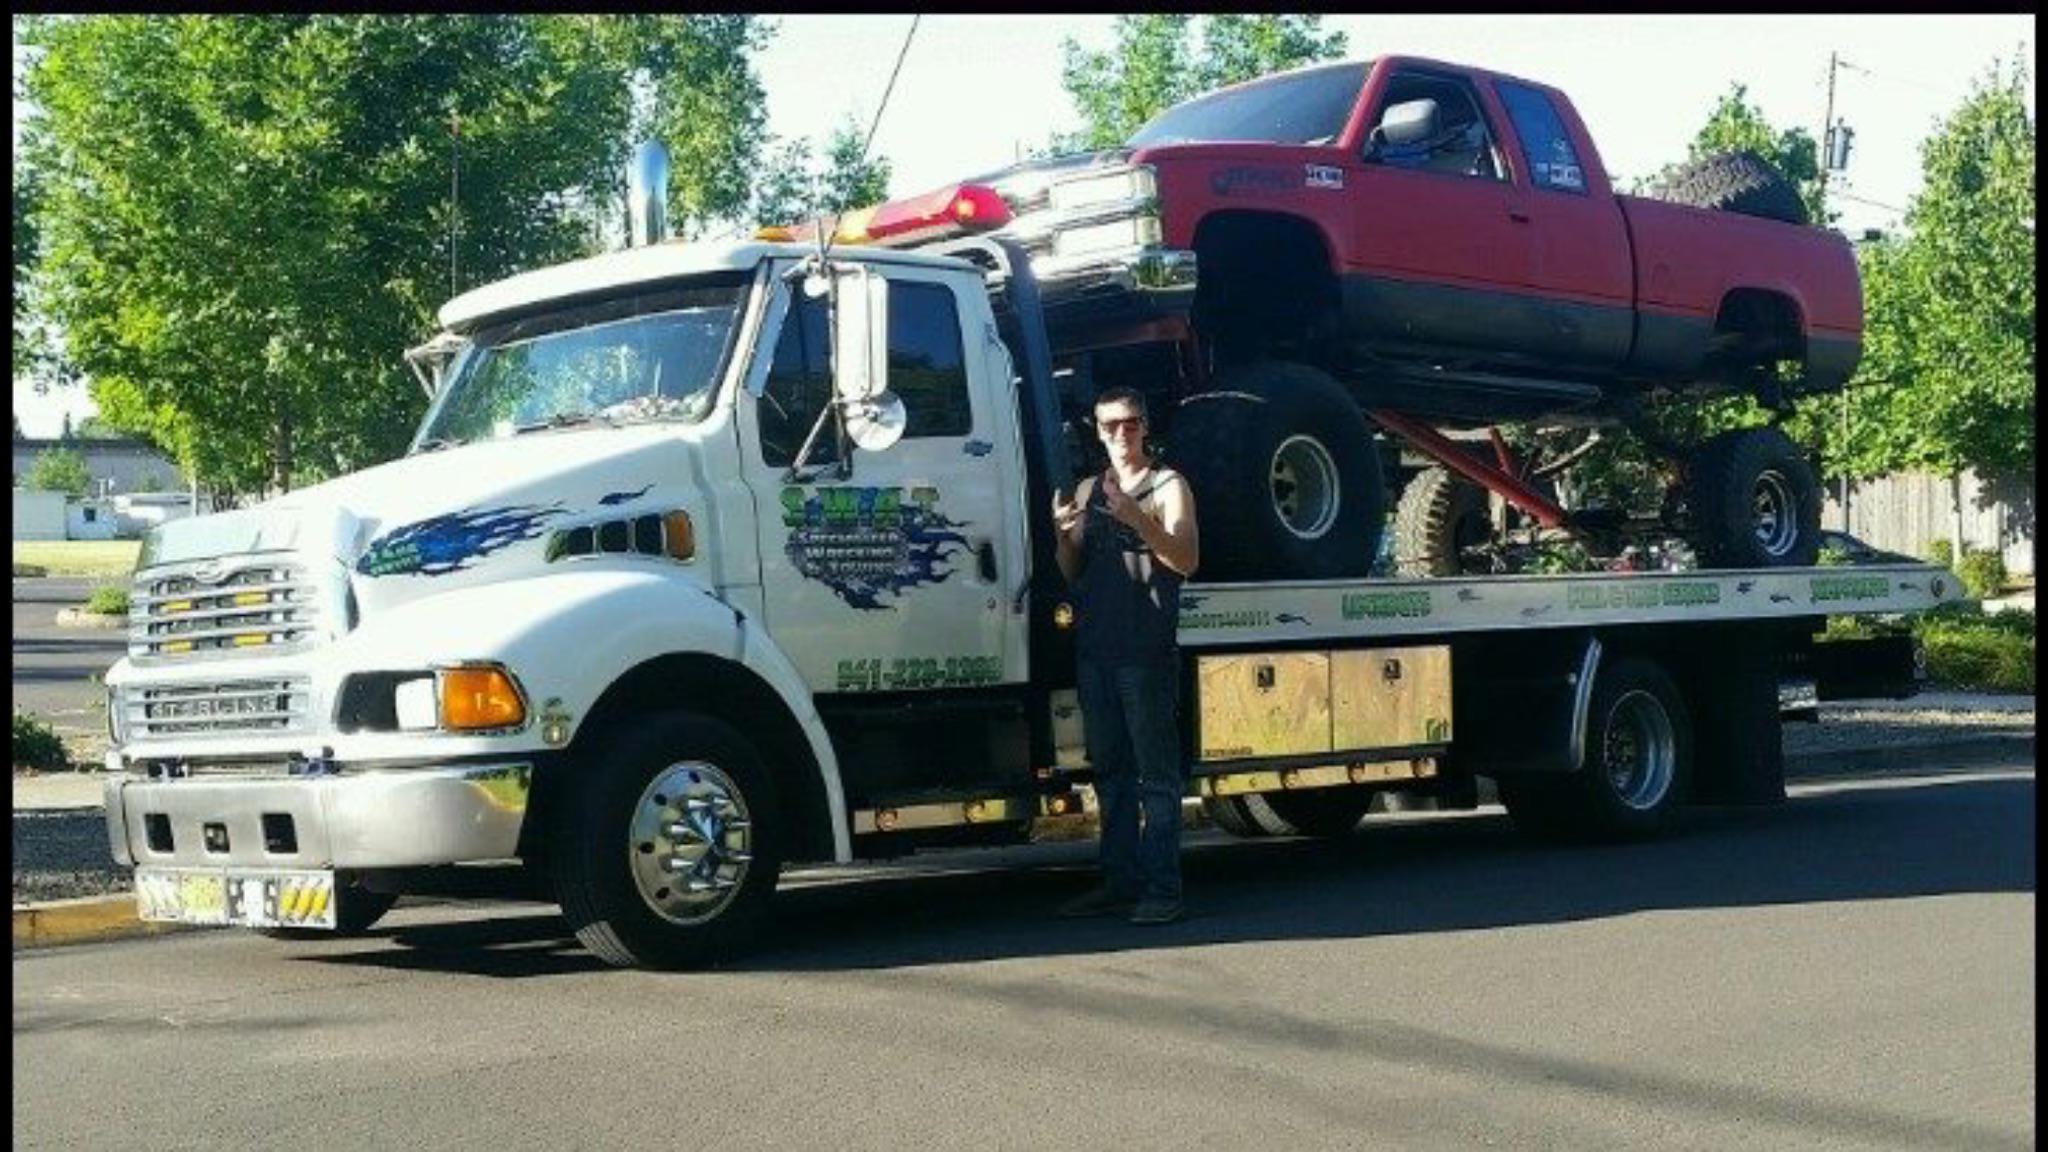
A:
(708, 560)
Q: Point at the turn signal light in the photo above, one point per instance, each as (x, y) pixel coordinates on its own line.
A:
(480, 697)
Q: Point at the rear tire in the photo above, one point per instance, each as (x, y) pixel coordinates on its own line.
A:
(1754, 501)
(667, 843)
(1741, 182)
(1285, 474)
(1330, 813)
(1247, 817)
(1439, 515)
(1636, 769)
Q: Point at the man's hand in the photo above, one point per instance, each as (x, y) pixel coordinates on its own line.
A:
(1067, 516)
(1119, 503)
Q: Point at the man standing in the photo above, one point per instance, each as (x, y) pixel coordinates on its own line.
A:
(1126, 542)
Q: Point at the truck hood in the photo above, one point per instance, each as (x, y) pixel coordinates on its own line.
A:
(439, 519)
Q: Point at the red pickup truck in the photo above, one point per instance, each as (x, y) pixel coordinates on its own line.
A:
(1293, 266)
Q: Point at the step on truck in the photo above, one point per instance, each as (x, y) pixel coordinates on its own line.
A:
(712, 560)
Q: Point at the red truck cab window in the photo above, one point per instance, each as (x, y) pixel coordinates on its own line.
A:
(1546, 145)
(1464, 144)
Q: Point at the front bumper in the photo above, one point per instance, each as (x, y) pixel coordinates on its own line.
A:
(356, 819)
(1158, 271)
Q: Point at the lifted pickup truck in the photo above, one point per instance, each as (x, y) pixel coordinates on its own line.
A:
(709, 559)
(1407, 246)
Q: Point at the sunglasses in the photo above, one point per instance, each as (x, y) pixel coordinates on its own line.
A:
(1112, 427)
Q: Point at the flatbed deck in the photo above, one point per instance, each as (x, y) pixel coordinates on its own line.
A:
(1220, 615)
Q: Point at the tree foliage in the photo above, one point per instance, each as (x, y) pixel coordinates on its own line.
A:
(1947, 376)
(243, 221)
(58, 470)
(796, 185)
(1151, 67)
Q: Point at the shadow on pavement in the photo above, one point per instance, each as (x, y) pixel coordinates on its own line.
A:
(1859, 840)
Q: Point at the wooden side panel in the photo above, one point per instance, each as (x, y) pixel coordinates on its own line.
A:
(1390, 697)
(1269, 704)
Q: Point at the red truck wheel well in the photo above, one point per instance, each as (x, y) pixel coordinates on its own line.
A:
(1760, 326)
(1266, 283)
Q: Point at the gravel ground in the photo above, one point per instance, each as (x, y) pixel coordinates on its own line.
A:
(63, 854)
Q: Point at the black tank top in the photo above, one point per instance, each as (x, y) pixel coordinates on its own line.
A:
(1127, 602)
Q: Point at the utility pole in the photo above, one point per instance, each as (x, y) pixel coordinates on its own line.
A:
(1827, 128)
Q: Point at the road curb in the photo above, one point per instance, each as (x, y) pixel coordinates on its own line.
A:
(81, 921)
(1891, 758)
(80, 618)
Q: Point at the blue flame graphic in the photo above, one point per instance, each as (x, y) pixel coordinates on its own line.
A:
(447, 543)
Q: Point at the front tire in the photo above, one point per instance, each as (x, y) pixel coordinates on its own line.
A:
(1754, 501)
(1285, 474)
(667, 843)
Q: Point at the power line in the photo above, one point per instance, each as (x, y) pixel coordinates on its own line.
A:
(1872, 203)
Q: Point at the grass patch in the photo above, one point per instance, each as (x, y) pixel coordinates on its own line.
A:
(108, 600)
(1967, 648)
(36, 745)
(78, 557)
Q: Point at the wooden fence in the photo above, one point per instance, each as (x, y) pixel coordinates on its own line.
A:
(1908, 511)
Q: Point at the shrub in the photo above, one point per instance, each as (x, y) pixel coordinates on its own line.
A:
(109, 600)
(1986, 661)
(1831, 557)
(1942, 554)
(1982, 572)
(36, 745)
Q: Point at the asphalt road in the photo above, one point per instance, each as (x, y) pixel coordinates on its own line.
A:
(56, 670)
(1852, 969)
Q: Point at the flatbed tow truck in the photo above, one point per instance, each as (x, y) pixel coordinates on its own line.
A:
(709, 559)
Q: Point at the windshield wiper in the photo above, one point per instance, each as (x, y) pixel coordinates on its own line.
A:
(558, 420)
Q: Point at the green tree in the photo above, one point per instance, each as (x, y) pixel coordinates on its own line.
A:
(244, 220)
(1151, 67)
(58, 470)
(795, 185)
(1736, 124)
(1947, 376)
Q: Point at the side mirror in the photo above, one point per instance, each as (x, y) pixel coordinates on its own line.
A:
(1406, 124)
(860, 332)
(860, 357)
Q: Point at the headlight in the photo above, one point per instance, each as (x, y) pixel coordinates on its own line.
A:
(1108, 188)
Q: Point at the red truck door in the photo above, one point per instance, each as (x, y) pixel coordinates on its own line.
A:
(1439, 255)
(1581, 266)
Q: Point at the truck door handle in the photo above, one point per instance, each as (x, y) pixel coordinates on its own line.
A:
(985, 559)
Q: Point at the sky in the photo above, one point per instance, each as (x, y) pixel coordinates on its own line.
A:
(976, 91)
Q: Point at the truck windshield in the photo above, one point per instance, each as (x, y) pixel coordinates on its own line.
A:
(1307, 107)
(655, 355)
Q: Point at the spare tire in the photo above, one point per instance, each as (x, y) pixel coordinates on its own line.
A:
(1741, 182)
(1285, 474)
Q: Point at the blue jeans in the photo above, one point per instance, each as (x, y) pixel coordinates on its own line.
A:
(1134, 747)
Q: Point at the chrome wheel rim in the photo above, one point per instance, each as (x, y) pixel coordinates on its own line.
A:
(692, 842)
(1640, 754)
(1773, 514)
(1303, 485)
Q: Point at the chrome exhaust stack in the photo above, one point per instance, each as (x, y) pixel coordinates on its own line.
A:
(647, 195)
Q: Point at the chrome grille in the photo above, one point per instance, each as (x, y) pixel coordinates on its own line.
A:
(261, 605)
(230, 707)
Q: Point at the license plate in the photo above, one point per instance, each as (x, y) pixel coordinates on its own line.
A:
(256, 899)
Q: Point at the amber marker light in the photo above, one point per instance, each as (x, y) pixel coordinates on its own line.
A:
(679, 536)
(480, 697)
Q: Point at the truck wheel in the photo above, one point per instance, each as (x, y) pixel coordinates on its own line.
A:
(356, 911)
(1741, 182)
(667, 853)
(1637, 765)
(1247, 817)
(1285, 474)
(1325, 812)
(1439, 515)
(1754, 501)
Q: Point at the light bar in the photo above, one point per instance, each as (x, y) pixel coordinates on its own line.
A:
(950, 211)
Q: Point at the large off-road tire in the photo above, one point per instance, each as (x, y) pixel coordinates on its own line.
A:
(1754, 501)
(667, 842)
(356, 910)
(1285, 474)
(1636, 769)
(1439, 515)
(1741, 182)
(1326, 812)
